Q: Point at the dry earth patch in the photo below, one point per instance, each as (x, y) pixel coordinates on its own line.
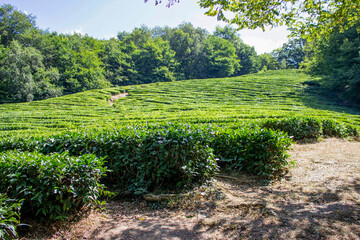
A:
(117, 96)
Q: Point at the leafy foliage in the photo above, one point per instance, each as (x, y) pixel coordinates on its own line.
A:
(170, 156)
(303, 17)
(258, 151)
(221, 57)
(245, 54)
(292, 53)
(9, 217)
(298, 128)
(229, 101)
(13, 23)
(52, 186)
(23, 76)
(140, 159)
(337, 60)
(332, 128)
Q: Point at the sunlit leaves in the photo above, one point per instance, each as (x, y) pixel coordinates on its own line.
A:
(303, 17)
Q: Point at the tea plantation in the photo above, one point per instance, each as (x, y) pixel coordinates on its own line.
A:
(273, 94)
(159, 137)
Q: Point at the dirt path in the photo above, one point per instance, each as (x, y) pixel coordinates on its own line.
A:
(318, 199)
(114, 97)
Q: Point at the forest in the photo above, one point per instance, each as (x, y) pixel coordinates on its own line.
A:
(38, 64)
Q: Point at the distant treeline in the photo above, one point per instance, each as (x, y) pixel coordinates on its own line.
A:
(38, 64)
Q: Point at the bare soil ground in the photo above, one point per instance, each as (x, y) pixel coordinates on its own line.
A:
(318, 199)
(114, 97)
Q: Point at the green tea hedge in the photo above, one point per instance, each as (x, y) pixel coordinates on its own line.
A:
(296, 127)
(300, 128)
(332, 128)
(258, 151)
(148, 158)
(51, 186)
(141, 159)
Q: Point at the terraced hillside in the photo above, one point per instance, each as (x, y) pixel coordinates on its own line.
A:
(272, 94)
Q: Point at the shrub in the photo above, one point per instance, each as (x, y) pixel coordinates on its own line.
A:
(297, 127)
(331, 128)
(154, 157)
(141, 159)
(259, 151)
(52, 186)
(9, 217)
(169, 158)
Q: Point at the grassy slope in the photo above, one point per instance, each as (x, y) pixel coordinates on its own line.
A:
(270, 94)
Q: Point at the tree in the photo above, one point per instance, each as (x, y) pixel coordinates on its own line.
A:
(153, 61)
(196, 67)
(182, 44)
(116, 62)
(337, 60)
(304, 17)
(221, 58)
(291, 53)
(13, 23)
(245, 53)
(139, 36)
(23, 76)
(267, 62)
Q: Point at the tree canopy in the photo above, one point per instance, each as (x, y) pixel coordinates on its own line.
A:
(303, 17)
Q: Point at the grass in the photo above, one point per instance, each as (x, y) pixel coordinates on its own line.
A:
(273, 94)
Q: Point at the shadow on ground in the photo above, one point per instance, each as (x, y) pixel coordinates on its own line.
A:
(316, 97)
(287, 214)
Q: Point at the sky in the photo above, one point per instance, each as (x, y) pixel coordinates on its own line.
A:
(103, 19)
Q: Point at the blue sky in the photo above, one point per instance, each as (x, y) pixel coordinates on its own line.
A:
(103, 19)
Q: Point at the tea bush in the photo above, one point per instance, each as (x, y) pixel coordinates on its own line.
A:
(332, 128)
(9, 217)
(146, 158)
(141, 159)
(258, 151)
(298, 128)
(171, 158)
(52, 186)
(301, 128)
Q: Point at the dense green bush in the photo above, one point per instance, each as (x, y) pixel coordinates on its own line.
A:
(52, 186)
(167, 157)
(162, 157)
(301, 128)
(258, 151)
(9, 217)
(140, 158)
(332, 128)
(298, 128)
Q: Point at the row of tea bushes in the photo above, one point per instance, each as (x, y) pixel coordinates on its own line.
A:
(150, 158)
(300, 128)
(259, 151)
(141, 159)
